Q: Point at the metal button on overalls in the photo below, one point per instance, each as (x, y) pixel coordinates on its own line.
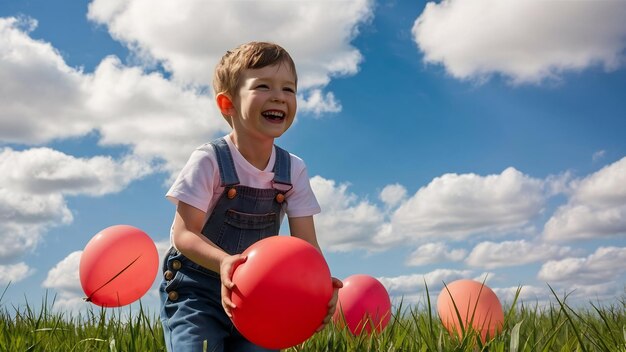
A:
(173, 296)
(280, 197)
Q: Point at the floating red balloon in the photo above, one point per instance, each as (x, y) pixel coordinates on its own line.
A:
(477, 305)
(363, 305)
(281, 292)
(118, 266)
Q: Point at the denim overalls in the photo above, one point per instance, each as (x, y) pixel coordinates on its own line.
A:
(192, 311)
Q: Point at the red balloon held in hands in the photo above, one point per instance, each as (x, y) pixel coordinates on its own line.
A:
(118, 266)
(281, 292)
(477, 305)
(363, 306)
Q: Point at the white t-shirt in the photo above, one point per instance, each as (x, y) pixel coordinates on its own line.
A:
(198, 183)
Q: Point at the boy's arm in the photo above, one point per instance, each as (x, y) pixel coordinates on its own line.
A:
(187, 238)
(304, 228)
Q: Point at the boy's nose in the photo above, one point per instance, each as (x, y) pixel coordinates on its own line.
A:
(278, 96)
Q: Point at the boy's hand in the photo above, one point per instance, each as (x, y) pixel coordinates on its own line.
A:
(332, 305)
(227, 267)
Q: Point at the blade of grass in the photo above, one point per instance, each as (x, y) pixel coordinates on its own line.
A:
(569, 319)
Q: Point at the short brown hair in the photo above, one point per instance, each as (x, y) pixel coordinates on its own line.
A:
(252, 55)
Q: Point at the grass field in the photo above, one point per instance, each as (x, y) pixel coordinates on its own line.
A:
(527, 328)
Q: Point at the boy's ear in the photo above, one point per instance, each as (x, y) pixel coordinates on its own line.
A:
(224, 103)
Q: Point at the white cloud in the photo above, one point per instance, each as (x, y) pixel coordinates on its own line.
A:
(410, 289)
(29, 209)
(44, 100)
(527, 41)
(43, 171)
(597, 207)
(41, 98)
(153, 116)
(573, 222)
(437, 252)
(38, 180)
(189, 37)
(64, 278)
(604, 187)
(346, 222)
(457, 206)
(606, 264)
(490, 255)
(317, 103)
(24, 218)
(13, 273)
(529, 295)
(392, 195)
(600, 275)
(411, 284)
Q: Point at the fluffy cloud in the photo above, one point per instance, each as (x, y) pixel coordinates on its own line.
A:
(43, 171)
(14, 273)
(600, 274)
(527, 41)
(188, 38)
(156, 118)
(318, 103)
(450, 207)
(597, 207)
(346, 222)
(438, 252)
(44, 100)
(64, 276)
(41, 98)
(408, 284)
(38, 180)
(490, 255)
(528, 295)
(392, 195)
(456, 206)
(65, 280)
(605, 264)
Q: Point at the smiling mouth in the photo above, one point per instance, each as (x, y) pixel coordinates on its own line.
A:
(274, 115)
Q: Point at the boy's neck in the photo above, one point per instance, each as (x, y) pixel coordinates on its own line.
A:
(256, 152)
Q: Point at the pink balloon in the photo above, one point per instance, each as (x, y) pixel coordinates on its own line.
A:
(364, 304)
(118, 266)
(282, 292)
(477, 304)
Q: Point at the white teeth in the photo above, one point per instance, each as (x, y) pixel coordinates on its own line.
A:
(278, 114)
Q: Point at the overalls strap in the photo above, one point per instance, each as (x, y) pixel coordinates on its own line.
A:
(228, 174)
(282, 169)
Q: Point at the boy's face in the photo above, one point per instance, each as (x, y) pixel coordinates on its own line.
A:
(265, 102)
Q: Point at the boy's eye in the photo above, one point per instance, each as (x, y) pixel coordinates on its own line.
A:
(289, 89)
(262, 86)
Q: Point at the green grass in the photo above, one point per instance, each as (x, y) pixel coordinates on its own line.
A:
(558, 327)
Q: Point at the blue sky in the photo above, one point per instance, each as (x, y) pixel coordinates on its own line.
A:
(444, 140)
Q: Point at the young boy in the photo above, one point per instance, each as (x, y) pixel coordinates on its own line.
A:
(231, 193)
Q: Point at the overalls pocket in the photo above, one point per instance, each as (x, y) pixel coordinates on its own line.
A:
(240, 230)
